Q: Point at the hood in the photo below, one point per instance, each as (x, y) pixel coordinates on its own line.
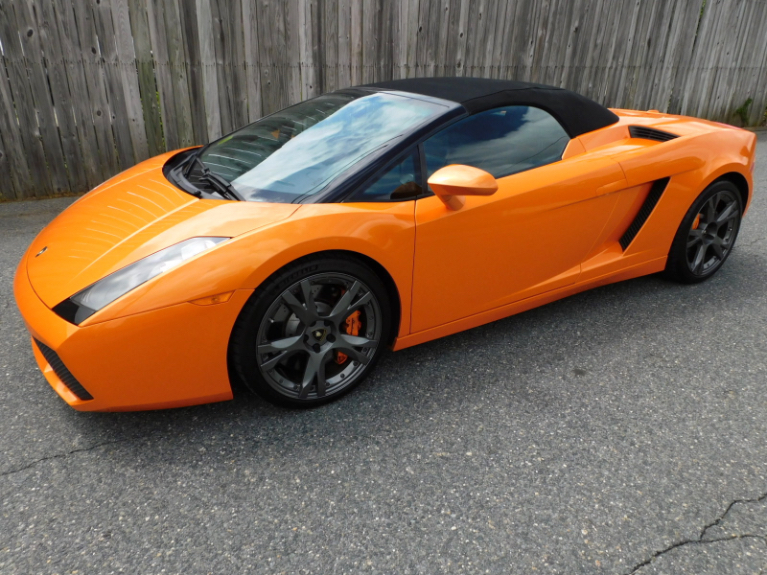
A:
(133, 215)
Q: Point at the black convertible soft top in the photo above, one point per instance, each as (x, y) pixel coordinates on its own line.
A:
(576, 113)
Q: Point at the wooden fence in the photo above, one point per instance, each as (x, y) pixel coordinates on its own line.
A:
(91, 87)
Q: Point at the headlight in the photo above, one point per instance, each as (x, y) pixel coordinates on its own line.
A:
(86, 302)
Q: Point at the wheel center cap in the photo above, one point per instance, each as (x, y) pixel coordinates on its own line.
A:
(320, 335)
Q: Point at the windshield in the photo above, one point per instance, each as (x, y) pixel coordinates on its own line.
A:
(296, 152)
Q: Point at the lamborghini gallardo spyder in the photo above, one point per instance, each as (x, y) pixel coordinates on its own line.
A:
(286, 256)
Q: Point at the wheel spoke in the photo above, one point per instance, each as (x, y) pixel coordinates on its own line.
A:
(697, 262)
(347, 305)
(343, 303)
(306, 290)
(695, 237)
(284, 348)
(718, 246)
(297, 308)
(286, 344)
(353, 353)
(709, 210)
(728, 213)
(356, 341)
(315, 370)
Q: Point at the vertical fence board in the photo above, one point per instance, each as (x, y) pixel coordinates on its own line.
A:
(208, 65)
(328, 41)
(58, 83)
(272, 48)
(146, 82)
(15, 180)
(14, 145)
(163, 73)
(355, 41)
(194, 72)
(178, 72)
(83, 22)
(344, 43)
(252, 59)
(110, 60)
(291, 51)
(126, 62)
(40, 96)
(72, 58)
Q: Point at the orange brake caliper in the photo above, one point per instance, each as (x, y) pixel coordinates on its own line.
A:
(353, 325)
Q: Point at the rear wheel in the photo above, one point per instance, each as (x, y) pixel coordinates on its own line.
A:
(311, 333)
(707, 234)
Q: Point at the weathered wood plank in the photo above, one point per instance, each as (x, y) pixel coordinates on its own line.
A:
(272, 50)
(177, 70)
(16, 95)
(208, 64)
(344, 43)
(56, 69)
(252, 59)
(41, 100)
(73, 61)
(110, 60)
(15, 179)
(328, 43)
(163, 73)
(83, 22)
(194, 75)
(146, 82)
(126, 62)
(291, 51)
(356, 56)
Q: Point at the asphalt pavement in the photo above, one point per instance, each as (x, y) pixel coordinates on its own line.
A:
(623, 430)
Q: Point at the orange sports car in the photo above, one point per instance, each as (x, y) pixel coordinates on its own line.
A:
(286, 255)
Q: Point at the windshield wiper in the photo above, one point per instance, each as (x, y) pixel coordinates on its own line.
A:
(220, 185)
(195, 159)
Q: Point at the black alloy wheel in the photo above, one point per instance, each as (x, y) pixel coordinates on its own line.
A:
(312, 333)
(707, 234)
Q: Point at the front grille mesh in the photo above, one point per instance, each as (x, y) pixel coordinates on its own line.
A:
(62, 372)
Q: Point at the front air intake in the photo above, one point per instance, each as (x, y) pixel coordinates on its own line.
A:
(62, 372)
(646, 133)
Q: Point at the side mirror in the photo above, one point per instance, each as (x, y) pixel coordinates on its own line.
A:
(453, 182)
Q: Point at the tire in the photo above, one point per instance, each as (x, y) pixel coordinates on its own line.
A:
(299, 340)
(706, 235)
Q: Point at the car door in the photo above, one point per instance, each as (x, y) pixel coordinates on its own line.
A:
(527, 238)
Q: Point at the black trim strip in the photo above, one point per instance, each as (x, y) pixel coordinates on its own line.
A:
(62, 372)
(656, 191)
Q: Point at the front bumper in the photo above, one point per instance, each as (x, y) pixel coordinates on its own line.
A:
(168, 357)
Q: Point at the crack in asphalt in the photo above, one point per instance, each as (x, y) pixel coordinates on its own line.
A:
(61, 456)
(700, 540)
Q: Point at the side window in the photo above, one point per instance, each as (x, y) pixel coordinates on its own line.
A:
(400, 182)
(502, 141)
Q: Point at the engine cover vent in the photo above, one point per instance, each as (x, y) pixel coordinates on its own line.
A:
(646, 133)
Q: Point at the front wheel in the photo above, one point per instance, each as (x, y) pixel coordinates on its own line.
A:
(707, 234)
(312, 332)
